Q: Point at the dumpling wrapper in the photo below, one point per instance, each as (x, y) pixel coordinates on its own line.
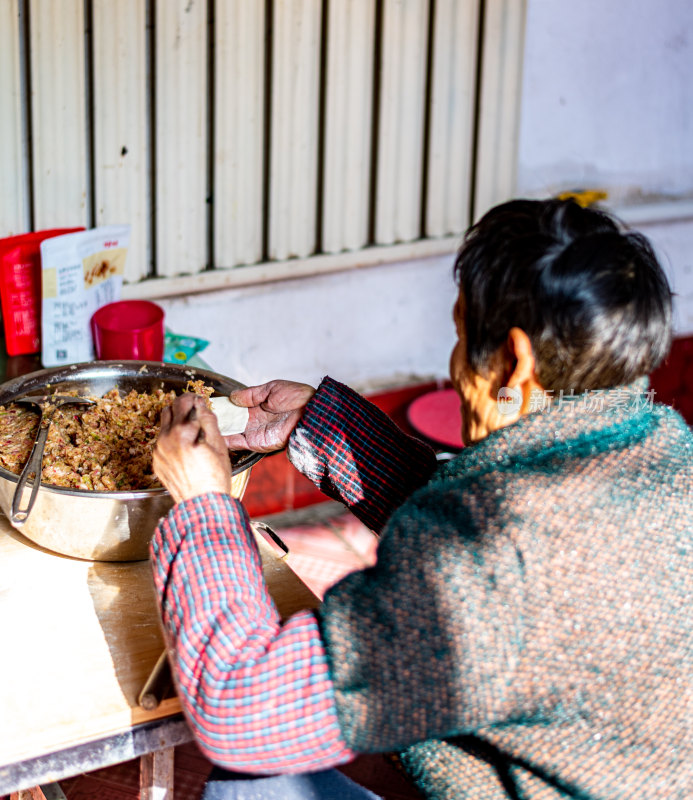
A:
(231, 418)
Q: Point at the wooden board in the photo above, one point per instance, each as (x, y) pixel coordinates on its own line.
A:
(79, 640)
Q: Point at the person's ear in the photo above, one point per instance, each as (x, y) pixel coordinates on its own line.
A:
(521, 364)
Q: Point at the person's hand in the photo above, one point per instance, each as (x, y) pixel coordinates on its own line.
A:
(190, 457)
(274, 410)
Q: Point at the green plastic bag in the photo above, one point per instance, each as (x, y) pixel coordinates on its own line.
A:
(180, 349)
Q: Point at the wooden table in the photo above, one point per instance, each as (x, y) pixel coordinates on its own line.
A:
(79, 640)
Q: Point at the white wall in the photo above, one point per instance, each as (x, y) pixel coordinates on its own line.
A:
(607, 103)
(608, 98)
(372, 327)
(673, 242)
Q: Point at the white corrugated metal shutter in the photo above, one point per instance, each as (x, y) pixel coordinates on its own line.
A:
(348, 125)
(122, 191)
(59, 128)
(14, 200)
(401, 126)
(239, 132)
(180, 136)
(499, 102)
(293, 153)
(235, 133)
(452, 96)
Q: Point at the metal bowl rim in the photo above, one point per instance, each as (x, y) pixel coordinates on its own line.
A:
(104, 370)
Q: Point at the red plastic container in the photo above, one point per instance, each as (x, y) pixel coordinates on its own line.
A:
(20, 289)
(129, 329)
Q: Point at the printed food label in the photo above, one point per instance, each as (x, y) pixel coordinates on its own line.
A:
(80, 273)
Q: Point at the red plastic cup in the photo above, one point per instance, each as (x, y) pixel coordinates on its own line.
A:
(129, 329)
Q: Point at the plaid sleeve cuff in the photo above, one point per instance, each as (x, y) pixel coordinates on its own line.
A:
(356, 454)
(256, 692)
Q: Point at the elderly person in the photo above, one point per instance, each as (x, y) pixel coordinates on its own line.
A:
(527, 629)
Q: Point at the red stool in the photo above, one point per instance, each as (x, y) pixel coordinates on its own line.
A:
(437, 418)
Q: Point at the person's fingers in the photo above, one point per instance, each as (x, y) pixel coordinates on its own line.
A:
(182, 405)
(184, 423)
(166, 420)
(251, 396)
(274, 397)
(236, 441)
(209, 429)
(266, 438)
(286, 396)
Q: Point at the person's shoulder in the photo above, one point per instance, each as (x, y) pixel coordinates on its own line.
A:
(671, 416)
(670, 429)
(452, 498)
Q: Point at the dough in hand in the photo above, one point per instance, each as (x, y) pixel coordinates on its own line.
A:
(231, 418)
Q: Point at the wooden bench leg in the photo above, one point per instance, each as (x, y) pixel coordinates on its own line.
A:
(156, 775)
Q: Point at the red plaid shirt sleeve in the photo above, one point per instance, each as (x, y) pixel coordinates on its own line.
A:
(355, 453)
(256, 691)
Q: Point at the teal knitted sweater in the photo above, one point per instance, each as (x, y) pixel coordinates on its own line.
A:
(527, 631)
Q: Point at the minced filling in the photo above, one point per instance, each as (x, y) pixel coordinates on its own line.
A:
(102, 447)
